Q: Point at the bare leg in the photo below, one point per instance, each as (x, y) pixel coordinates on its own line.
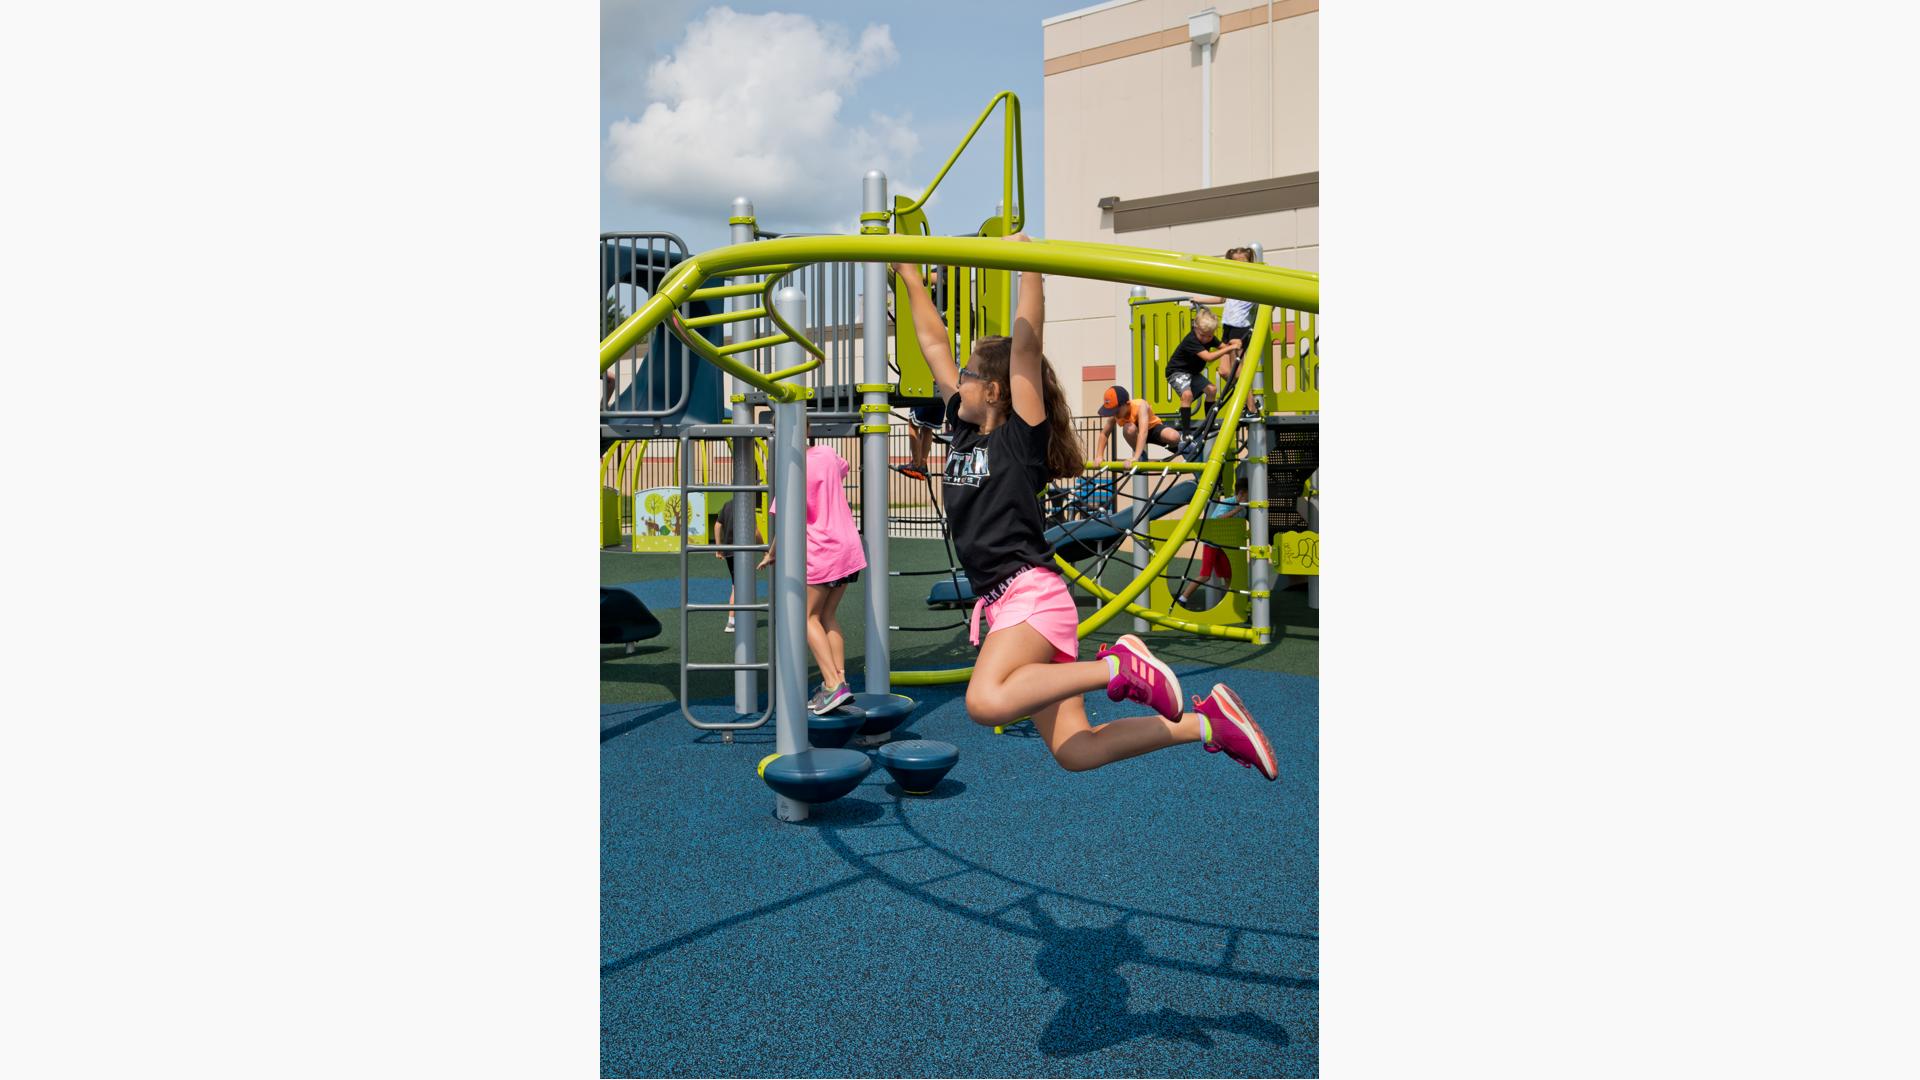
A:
(1015, 667)
(922, 442)
(817, 636)
(836, 641)
(1079, 747)
(1016, 675)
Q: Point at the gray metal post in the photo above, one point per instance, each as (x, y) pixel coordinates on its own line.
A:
(1141, 555)
(1012, 277)
(1310, 509)
(1138, 292)
(746, 688)
(789, 469)
(1259, 525)
(875, 474)
(1259, 253)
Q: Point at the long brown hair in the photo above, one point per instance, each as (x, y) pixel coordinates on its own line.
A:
(993, 361)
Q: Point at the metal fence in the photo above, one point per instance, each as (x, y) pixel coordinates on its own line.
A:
(914, 506)
(631, 266)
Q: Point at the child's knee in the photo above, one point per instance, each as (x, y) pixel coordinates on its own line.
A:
(984, 706)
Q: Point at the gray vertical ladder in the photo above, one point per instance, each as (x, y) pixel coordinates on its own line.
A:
(718, 433)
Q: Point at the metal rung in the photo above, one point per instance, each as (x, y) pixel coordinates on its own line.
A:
(726, 431)
(730, 607)
(717, 292)
(728, 547)
(762, 666)
(725, 317)
(726, 487)
(757, 343)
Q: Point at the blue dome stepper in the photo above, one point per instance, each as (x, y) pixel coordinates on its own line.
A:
(834, 729)
(815, 776)
(881, 713)
(919, 764)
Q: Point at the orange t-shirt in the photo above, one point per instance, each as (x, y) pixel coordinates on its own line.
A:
(1137, 406)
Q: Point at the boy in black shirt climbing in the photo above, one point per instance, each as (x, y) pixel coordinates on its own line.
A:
(1187, 367)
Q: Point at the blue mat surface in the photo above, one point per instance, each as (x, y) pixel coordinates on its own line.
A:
(1157, 917)
(665, 595)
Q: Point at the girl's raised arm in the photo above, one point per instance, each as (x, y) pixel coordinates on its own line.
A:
(931, 331)
(1028, 382)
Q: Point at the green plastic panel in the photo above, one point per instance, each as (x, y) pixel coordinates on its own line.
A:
(1293, 383)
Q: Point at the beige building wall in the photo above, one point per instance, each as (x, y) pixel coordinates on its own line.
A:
(1122, 101)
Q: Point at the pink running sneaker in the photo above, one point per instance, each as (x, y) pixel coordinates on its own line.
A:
(1231, 728)
(1142, 678)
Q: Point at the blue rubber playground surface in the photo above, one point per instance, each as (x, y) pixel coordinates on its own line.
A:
(1157, 917)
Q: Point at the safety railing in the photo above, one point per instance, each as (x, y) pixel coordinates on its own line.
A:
(1293, 384)
(653, 379)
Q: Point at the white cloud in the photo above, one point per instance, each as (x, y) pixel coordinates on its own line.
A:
(632, 33)
(751, 105)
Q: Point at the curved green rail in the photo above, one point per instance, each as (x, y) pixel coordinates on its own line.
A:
(1105, 262)
(1158, 618)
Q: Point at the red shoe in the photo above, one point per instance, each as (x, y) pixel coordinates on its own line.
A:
(1230, 728)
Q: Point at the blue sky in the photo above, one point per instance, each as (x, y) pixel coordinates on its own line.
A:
(790, 103)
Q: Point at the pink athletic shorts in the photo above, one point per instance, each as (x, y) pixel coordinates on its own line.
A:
(1038, 597)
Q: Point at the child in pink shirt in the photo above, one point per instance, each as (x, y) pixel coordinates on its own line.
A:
(834, 561)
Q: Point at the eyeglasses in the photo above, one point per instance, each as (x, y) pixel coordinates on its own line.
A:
(968, 373)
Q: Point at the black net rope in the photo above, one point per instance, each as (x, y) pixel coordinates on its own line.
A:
(1209, 430)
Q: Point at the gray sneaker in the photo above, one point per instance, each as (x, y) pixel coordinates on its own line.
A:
(832, 699)
(819, 695)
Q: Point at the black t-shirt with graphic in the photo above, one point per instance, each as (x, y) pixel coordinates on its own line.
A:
(1186, 355)
(991, 487)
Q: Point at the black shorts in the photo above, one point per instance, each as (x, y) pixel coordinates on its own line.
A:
(1241, 334)
(932, 417)
(1153, 433)
(848, 580)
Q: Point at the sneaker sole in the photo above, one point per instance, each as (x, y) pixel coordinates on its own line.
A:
(1166, 672)
(1236, 711)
